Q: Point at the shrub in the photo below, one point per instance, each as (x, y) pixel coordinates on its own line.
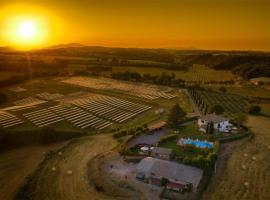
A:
(254, 110)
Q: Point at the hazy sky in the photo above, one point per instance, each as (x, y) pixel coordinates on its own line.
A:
(207, 24)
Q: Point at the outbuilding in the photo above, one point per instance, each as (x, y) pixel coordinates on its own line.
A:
(179, 177)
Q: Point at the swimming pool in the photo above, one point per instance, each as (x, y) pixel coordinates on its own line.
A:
(198, 143)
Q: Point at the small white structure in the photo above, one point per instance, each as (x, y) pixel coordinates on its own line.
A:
(221, 124)
(144, 150)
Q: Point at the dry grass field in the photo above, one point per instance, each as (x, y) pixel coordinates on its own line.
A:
(247, 174)
(17, 164)
(265, 108)
(250, 90)
(59, 184)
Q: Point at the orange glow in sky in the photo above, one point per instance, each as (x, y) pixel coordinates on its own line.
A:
(205, 24)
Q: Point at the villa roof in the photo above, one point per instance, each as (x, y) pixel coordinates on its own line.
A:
(170, 170)
(213, 118)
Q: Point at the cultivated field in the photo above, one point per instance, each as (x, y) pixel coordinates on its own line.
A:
(250, 90)
(247, 175)
(196, 73)
(17, 164)
(205, 100)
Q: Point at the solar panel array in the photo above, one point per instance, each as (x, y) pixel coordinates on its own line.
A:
(9, 120)
(82, 109)
(111, 108)
(146, 91)
(43, 117)
(79, 117)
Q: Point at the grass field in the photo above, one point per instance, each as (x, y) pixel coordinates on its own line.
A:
(250, 90)
(196, 73)
(49, 184)
(17, 164)
(254, 168)
(265, 109)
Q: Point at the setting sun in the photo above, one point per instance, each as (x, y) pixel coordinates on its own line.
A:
(27, 29)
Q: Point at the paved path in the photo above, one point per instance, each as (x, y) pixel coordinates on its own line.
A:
(150, 139)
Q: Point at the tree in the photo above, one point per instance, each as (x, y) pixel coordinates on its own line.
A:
(176, 115)
(210, 128)
(240, 118)
(222, 89)
(254, 110)
(218, 109)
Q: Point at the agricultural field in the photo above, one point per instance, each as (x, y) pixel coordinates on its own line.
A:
(17, 164)
(249, 91)
(265, 109)
(65, 176)
(247, 173)
(196, 73)
(205, 100)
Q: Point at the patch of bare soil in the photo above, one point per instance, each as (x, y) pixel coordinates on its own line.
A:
(119, 177)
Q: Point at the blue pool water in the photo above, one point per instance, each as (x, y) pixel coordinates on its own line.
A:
(198, 143)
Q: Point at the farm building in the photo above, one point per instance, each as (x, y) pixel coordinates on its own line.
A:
(260, 81)
(157, 126)
(180, 177)
(221, 124)
(162, 153)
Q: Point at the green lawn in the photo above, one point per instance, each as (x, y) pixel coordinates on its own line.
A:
(192, 131)
(189, 131)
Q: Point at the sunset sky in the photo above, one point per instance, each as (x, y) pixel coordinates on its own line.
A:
(204, 24)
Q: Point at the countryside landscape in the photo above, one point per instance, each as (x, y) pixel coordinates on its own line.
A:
(114, 119)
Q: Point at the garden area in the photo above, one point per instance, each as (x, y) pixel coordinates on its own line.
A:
(190, 154)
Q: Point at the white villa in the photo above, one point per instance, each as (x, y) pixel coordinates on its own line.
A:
(221, 124)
